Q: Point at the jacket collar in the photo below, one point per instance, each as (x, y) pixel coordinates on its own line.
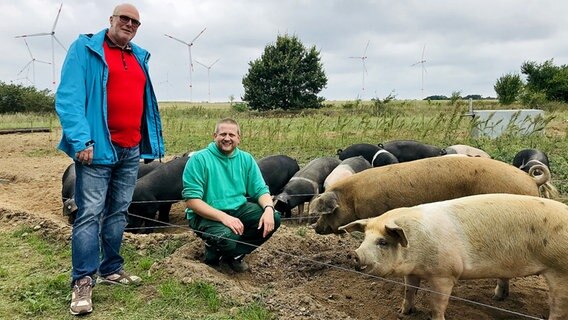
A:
(111, 44)
(95, 43)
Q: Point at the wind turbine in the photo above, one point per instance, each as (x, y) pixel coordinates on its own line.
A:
(421, 62)
(53, 39)
(208, 76)
(31, 63)
(189, 45)
(363, 58)
(21, 79)
(167, 81)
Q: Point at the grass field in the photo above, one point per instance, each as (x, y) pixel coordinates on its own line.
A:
(304, 135)
(308, 134)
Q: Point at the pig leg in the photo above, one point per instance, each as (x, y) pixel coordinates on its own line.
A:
(501, 290)
(411, 285)
(301, 213)
(301, 209)
(164, 212)
(442, 288)
(558, 295)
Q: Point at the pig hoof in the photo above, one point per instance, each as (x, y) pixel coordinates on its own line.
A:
(402, 313)
(500, 297)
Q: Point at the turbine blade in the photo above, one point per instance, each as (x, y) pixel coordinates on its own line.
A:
(59, 42)
(366, 47)
(214, 62)
(24, 68)
(41, 61)
(176, 39)
(191, 43)
(27, 46)
(56, 18)
(34, 35)
(423, 50)
(200, 63)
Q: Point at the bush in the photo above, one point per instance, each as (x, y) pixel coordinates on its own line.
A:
(455, 97)
(17, 98)
(240, 107)
(508, 88)
(380, 107)
(533, 99)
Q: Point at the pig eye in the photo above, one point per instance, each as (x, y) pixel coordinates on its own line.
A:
(381, 242)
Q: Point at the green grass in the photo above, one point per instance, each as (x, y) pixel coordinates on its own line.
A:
(26, 120)
(35, 275)
(307, 134)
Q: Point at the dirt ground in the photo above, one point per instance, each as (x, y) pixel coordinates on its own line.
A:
(299, 274)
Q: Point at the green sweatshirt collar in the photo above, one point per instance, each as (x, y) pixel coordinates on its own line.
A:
(212, 147)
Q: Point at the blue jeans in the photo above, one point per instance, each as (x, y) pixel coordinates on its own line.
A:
(102, 194)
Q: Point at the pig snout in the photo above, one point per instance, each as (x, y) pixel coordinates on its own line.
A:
(355, 261)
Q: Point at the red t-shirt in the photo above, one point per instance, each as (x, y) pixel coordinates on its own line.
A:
(125, 96)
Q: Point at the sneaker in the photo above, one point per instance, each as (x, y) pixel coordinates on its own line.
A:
(120, 277)
(237, 263)
(81, 297)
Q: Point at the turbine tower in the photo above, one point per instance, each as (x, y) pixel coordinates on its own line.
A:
(53, 39)
(31, 64)
(421, 62)
(208, 76)
(363, 58)
(189, 45)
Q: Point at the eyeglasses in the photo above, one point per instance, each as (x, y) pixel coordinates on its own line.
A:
(124, 19)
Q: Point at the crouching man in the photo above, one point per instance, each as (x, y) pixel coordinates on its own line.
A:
(216, 183)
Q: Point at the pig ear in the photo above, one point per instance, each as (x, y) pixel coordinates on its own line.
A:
(396, 232)
(358, 225)
(328, 202)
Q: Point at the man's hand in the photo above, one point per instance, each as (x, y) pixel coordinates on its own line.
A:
(85, 156)
(267, 221)
(234, 224)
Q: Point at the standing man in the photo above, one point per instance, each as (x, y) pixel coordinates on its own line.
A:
(216, 183)
(110, 119)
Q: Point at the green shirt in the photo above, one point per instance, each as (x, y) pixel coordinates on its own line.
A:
(222, 181)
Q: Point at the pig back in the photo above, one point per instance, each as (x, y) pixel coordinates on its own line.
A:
(374, 191)
(317, 170)
(493, 235)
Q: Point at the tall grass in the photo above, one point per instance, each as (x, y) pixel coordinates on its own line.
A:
(308, 134)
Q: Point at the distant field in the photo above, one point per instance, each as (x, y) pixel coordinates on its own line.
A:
(308, 134)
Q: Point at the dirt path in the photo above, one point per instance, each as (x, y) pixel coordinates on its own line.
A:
(300, 275)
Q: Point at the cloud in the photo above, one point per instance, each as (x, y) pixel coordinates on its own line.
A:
(469, 44)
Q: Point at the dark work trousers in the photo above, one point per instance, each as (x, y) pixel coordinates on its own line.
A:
(220, 237)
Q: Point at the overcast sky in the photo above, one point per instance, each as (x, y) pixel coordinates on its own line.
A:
(468, 44)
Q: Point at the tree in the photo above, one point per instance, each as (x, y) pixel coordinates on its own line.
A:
(508, 88)
(547, 79)
(17, 98)
(286, 76)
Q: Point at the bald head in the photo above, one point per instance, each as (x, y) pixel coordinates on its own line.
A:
(124, 23)
(119, 9)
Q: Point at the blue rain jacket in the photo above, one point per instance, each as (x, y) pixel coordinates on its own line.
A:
(81, 103)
